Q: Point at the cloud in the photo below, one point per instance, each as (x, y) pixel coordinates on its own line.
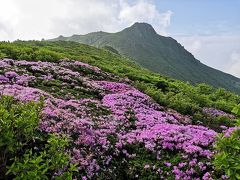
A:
(214, 50)
(192, 43)
(234, 64)
(144, 11)
(34, 19)
(8, 20)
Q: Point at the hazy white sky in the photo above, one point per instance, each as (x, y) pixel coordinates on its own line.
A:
(208, 29)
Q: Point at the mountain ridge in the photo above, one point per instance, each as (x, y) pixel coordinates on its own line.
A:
(161, 54)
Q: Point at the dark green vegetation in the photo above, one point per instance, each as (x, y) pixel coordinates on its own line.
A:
(181, 96)
(228, 150)
(25, 151)
(159, 54)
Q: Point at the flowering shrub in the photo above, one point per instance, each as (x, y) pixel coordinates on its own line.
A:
(116, 130)
(215, 122)
(216, 113)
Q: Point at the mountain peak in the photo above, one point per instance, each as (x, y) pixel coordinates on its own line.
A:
(142, 28)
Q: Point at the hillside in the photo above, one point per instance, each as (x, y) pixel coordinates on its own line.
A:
(185, 98)
(164, 55)
(109, 121)
(115, 119)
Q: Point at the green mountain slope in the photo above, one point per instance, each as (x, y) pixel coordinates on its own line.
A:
(157, 53)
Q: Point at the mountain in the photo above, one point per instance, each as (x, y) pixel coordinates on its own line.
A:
(164, 55)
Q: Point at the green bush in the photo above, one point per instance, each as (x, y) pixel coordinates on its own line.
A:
(227, 158)
(47, 55)
(46, 164)
(18, 123)
(2, 55)
(26, 152)
(228, 150)
(214, 123)
(236, 110)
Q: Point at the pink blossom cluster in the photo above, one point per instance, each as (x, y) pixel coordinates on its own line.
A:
(14, 78)
(230, 130)
(81, 64)
(157, 129)
(216, 113)
(119, 110)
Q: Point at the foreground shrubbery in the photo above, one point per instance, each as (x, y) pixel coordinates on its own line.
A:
(28, 153)
(227, 159)
(228, 150)
(25, 151)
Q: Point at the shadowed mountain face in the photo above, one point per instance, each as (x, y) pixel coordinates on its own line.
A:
(157, 53)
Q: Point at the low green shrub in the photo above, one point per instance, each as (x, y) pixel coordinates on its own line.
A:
(227, 158)
(52, 161)
(26, 152)
(228, 150)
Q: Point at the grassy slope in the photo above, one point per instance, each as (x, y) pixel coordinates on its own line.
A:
(159, 54)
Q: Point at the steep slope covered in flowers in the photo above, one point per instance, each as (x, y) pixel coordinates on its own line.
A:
(117, 131)
(183, 97)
